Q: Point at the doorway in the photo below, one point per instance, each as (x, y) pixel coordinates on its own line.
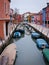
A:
(6, 28)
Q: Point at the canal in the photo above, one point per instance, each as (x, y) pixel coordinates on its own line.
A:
(27, 52)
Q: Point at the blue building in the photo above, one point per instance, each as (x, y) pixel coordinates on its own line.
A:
(44, 16)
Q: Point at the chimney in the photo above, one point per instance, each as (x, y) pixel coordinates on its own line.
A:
(47, 4)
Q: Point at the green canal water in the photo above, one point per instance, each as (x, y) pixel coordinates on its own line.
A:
(28, 53)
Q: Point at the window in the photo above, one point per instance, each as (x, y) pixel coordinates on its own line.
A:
(45, 22)
(9, 0)
(48, 22)
(6, 28)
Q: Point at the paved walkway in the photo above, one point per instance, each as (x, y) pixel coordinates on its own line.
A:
(10, 52)
(40, 28)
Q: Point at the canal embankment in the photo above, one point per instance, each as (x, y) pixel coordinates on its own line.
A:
(8, 39)
(44, 32)
(8, 49)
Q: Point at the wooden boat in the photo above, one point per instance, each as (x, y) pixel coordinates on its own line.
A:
(8, 55)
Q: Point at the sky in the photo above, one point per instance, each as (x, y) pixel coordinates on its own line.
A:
(32, 6)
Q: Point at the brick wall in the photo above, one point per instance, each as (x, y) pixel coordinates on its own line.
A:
(47, 14)
(4, 13)
(4, 8)
(1, 8)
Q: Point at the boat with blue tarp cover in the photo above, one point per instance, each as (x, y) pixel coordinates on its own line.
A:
(41, 43)
(21, 31)
(17, 35)
(35, 35)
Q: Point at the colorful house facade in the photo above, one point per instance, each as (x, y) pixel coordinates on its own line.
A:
(4, 18)
(40, 17)
(17, 18)
(36, 17)
(47, 15)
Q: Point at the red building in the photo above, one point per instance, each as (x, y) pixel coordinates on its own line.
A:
(18, 18)
(47, 15)
(40, 17)
(37, 18)
(4, 18)
(47, 12)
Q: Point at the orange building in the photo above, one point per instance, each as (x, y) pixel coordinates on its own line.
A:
(4, 18)
(29, 18)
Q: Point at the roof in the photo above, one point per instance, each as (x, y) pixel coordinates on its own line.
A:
(46, 6)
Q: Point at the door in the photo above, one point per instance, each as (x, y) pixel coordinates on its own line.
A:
(6, 28)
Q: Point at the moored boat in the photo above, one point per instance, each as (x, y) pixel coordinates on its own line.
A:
(35, 35)
(21, 31)
(17, 35)
(41, 43)
(46, 53)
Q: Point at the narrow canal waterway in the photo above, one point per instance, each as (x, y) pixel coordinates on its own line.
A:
(28, 53)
